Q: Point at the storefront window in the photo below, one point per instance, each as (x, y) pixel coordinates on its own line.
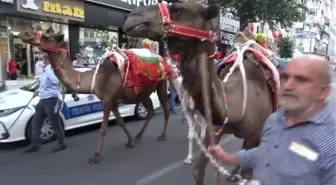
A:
(25, 54)
(94, 43)
(132, 42)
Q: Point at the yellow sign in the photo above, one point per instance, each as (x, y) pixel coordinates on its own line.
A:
(66, 10)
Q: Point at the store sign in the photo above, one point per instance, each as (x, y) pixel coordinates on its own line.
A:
(3, 54)
(7, 1)
(71, 9)
(229, 23)
(130, 4)
(305, 34)
(226, 38)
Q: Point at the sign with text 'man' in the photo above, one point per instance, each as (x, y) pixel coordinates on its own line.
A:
(68, 10)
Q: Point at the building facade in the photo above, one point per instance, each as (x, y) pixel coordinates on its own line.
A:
(314, 35)
(87, 26)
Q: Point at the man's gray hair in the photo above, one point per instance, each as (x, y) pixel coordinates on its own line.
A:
(327, 74)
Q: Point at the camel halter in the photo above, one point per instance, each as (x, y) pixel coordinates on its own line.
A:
(167, 26)
(56, 50)
(44, 47)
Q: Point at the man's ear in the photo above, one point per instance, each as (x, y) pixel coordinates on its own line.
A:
(211, 12)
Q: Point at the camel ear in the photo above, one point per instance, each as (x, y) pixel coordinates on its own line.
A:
(59, 37)
(211, 12)
(50, 30)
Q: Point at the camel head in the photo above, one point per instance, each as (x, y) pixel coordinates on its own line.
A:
(45, 41)
(146, 21)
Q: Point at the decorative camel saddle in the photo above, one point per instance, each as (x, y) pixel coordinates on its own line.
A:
(143, 67)
(270, 71)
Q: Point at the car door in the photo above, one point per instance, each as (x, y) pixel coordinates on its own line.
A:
(81, 112)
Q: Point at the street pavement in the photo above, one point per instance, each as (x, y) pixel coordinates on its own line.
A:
(149, 163)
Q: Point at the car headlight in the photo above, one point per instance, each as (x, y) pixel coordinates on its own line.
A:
(7, 112)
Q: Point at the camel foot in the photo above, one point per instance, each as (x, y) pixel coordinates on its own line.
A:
(161, 138)
(187, 160)
(130, 144)
(234, 178)
(95, 159)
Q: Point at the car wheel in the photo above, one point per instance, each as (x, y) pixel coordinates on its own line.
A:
(140, 111)
(47, 133)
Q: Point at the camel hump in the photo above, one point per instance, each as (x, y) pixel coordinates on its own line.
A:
(143, 52)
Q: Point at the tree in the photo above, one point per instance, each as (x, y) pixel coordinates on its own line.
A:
(272, 12)
(286, 47)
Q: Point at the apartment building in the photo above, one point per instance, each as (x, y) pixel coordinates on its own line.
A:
(317, 33)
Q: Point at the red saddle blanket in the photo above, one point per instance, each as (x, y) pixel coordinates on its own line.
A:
(272, 79)
(145, 68)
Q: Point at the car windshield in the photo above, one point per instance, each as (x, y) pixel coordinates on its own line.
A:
(32, 87)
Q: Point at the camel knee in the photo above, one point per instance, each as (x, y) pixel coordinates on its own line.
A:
(102, 132)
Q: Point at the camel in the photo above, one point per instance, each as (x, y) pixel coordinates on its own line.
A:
(189, 26)
(107, 82)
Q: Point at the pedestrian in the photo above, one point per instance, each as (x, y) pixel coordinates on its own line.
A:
(171, 98)
(11, 69)
(48, 93)
(39, 66)
(79, 62)
(297, 146)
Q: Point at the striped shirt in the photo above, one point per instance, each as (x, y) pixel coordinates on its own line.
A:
(302, 154)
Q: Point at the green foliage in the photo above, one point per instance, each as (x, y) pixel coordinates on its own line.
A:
(283, 12)
(286, 47)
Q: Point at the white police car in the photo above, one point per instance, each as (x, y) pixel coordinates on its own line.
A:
(74, 114)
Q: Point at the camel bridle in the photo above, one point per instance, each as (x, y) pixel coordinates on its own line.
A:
(167, 26)
(63, 51)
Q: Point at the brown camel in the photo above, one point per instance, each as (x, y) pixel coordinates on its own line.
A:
(161, 21)
(109, 85)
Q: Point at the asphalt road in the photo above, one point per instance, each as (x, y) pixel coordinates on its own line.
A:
(149, 163)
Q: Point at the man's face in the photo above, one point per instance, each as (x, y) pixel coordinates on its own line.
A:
(301, 86)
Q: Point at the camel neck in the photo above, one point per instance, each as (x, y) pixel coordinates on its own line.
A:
(68, 76)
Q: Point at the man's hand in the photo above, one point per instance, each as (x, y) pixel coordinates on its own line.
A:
(221, 156)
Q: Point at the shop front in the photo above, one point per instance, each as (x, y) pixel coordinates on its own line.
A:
(102, 26)
(228, 26)
(37, 15)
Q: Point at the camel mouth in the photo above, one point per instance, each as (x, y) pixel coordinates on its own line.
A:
(26, 38)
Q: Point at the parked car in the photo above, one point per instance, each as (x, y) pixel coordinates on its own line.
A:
(74, 114)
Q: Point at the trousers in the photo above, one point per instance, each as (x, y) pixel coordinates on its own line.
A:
(45, 109)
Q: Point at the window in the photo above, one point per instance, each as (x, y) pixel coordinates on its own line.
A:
(94, 43)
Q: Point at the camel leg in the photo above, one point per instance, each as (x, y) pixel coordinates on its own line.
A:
(191, 129)
(121, 123)
(107, 105)
(237, 172)
(199, 169)
(149, 106)
(250, 143)
(202, 123)
(161, 91)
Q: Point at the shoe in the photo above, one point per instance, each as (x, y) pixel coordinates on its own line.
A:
(32, 149)
(59, 147)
